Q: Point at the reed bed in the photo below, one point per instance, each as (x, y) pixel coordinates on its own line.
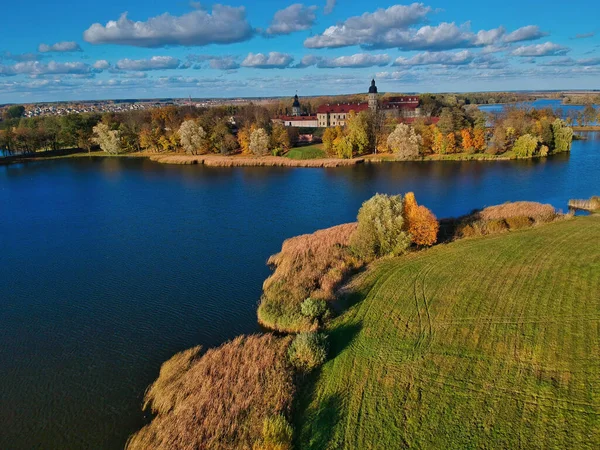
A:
(311, 265)
(244, 161)
(219, 400)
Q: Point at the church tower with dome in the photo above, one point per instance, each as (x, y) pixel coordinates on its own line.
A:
(296, 106)
(373, 96)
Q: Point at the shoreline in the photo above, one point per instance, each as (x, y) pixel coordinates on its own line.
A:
(213, 160)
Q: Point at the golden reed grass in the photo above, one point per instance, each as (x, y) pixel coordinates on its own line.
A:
(218, 400)
(242, 161)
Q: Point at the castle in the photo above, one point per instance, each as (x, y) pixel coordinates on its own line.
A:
(332, 115)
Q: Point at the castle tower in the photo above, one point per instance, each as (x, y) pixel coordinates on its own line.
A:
(373, 96)
(296, 106)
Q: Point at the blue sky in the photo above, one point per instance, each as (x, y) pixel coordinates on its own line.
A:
(69, 50)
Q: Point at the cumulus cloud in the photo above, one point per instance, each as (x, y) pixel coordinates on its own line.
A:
(20, 57)
(528, 33)
(36, 68)
(569, 62)
(60, 47)
(444, 58)
(359, 60)
(223, 62)
(274, 60)
(154, 63)
(329, 6)
(296, 17)
(101, 64)
(370, 28)
(545, 49)
(225, 25)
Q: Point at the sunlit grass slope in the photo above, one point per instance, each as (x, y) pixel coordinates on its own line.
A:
(483, 343)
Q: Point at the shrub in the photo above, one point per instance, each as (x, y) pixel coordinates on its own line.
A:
(314, 308)
(518, 222)
(308, 351)
(277, 434)
(380, 228)
(496, 226)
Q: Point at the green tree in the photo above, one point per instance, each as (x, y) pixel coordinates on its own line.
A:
(589, 114)
(380, 228)
(563, 136)
(526, 146)
(357, 132)
(14, 112)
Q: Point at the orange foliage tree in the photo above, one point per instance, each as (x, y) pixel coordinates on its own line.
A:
(420, 222)
(450, 143)
(467, 141)
(479, 139)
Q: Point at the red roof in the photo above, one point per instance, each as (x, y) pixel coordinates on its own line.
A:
(401, 103)
(341, 108)
(296, 118)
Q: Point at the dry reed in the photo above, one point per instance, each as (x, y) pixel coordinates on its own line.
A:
(536, 211)
(311, 265)
(239, 161)
(221, 399)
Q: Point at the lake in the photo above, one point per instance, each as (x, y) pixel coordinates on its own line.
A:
(110, 266)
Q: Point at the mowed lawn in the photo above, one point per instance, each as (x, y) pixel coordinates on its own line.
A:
(487, 343)
(314, 151)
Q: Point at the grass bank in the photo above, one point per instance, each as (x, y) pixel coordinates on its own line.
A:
(489, 342)
(252, 161)
(315, 151)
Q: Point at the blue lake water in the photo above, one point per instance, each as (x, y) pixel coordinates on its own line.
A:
(109, 266)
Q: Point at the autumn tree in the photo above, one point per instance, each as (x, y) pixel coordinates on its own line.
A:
(108, 140)
(357, 129)
(451, 143)
(259, 142)
(467, 140)
(419, 222)
(479, 142)
(525, 146)
(280, 139)
(404, 142)
(192, 137)
(439, 143)
(244, 137)
(563, 136)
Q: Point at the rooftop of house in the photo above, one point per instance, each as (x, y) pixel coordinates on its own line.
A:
(342, 108)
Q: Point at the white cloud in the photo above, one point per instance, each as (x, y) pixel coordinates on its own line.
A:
(569, 62)
(370, 28)
(545, 49)
(329, 6)
(60, 47)
(224, 63)
(20, 57)
(154, 63)
(585, 35)
(444, 58)
(35, 68)
(101, 64)
(359, 60)
(274, 60)
(489, 37)
(528, 33)
(225, 25)
(296, 17)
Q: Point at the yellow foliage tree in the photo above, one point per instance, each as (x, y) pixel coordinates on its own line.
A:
(439, 144)
(244, 138)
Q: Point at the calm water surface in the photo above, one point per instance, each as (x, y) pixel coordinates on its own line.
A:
(109, 266)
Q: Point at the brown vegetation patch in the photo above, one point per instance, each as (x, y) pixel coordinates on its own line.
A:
(311, 265)
(219, 400)
(535, 211)
(242, 161)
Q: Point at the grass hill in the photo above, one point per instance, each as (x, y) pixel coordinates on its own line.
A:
(489, 342)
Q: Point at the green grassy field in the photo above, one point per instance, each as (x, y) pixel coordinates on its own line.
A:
(308, 152)
(483, 343)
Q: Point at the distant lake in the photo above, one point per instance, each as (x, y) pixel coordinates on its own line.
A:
(538, 104)
(110, 266)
